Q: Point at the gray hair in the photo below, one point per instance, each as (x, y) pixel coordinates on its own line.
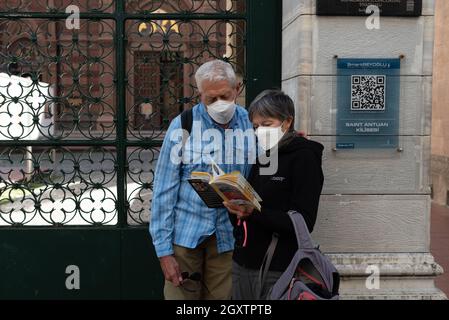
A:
(273, 104)
(215, 70)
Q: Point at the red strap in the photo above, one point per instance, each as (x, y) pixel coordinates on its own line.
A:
(245, 230)
(306, 296)
(246, 233)
(310, 277)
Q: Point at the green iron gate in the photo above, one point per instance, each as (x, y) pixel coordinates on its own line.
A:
(83, 108)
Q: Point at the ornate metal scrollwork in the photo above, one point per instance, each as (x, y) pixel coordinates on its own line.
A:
(83, 110)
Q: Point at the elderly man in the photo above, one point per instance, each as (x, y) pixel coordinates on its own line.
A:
(194, 243)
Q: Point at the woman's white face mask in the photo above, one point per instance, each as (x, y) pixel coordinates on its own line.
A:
(221, 111)
(268, 137)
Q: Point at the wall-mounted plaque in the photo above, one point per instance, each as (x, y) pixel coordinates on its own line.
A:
(412, 8)
(368, 95)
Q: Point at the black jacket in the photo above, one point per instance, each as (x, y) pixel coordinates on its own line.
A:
(296, 186)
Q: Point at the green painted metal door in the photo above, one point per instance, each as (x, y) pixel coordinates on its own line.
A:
(83, 108)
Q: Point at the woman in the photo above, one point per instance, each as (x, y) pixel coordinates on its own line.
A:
(296, 185)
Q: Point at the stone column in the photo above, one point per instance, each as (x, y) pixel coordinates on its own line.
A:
(440, 110)
(375, 206)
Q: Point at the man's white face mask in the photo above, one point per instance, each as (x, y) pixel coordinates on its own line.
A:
(268, 137)
(221, 111)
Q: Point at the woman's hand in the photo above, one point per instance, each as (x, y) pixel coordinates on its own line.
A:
(240, 210)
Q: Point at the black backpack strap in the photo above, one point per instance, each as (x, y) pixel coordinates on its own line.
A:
(186, 124)
(187, 120)
(336, 283)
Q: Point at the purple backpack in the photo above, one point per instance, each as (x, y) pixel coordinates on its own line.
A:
(310, 275)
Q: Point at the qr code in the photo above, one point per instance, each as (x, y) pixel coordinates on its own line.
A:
(368, 93)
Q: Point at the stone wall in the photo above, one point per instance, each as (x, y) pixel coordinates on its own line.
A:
(375, 206)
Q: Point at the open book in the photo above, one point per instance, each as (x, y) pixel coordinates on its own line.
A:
(217, 187)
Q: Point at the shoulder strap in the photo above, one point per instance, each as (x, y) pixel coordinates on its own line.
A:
(187, 120)
(304, 241)
(186, 124)
(302, 232)
(266, 263)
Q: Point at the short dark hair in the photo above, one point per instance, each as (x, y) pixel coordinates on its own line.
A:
(273, 104)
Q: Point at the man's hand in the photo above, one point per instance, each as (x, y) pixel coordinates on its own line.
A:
(171, 270)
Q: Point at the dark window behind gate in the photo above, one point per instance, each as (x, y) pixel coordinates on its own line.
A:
(83, 110)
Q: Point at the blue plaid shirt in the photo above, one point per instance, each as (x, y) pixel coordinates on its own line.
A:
(178, 215)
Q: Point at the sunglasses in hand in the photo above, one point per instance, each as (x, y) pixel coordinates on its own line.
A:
(191, 281)
(196, 276)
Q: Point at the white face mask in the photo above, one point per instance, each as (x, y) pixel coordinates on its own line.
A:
(268, 137)
(221, 111)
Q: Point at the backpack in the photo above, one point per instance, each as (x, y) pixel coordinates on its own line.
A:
(310, 275)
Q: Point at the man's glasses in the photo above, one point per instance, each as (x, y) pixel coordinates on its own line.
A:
(192, 281)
